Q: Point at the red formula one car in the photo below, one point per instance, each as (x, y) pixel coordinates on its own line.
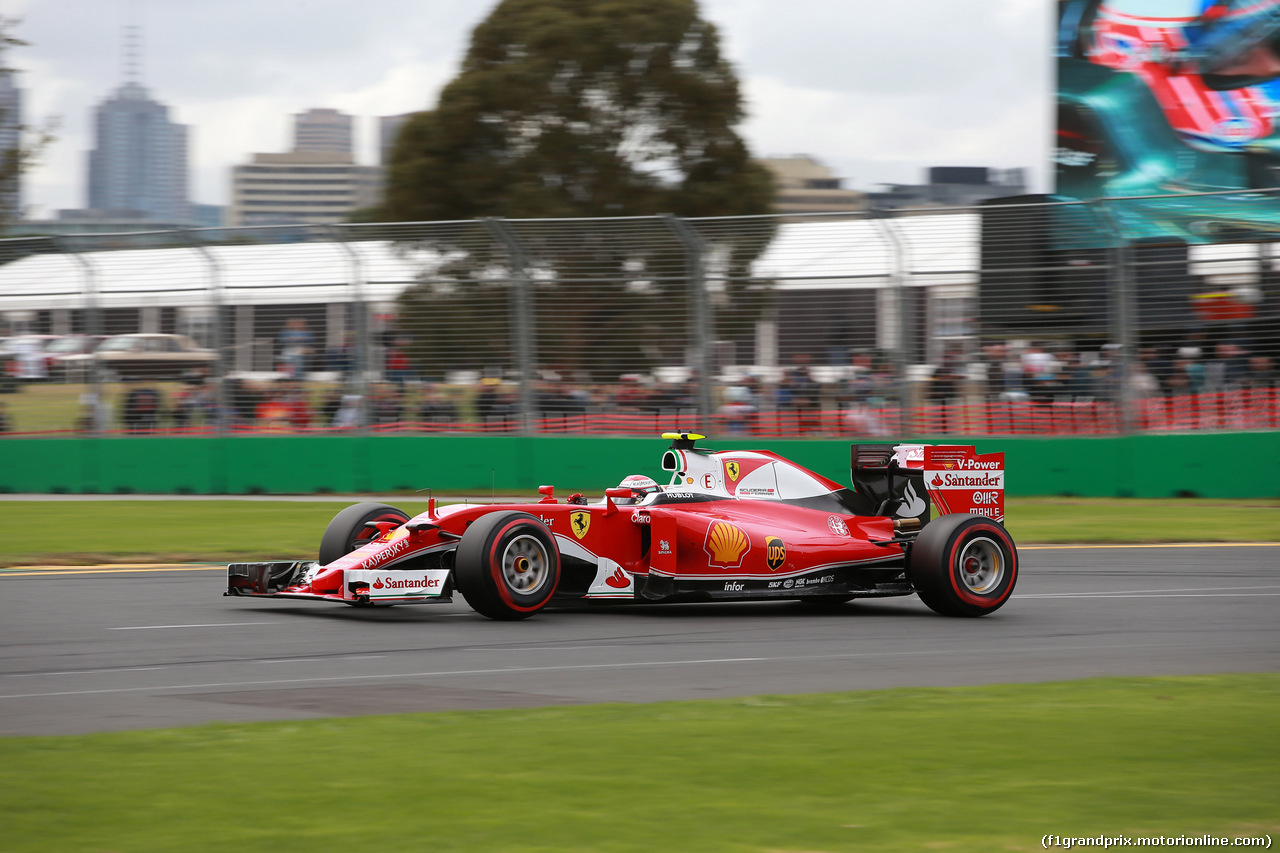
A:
(731, 525)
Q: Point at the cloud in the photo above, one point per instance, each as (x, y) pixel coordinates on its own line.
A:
(873, 88)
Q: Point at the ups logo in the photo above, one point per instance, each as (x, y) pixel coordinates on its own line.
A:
(775, 553)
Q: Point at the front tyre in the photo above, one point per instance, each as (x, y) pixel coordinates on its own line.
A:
(963, 565)
(355, 527)
(507, 565)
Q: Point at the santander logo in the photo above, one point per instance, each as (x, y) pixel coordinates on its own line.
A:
(911, 504)
(412, 583)
(618, 580)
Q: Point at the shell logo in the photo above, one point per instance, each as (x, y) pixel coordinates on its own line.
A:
(726, 545)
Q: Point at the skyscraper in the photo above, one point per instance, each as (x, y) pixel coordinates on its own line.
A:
(323, 130)
(388, 129)
(318, 182)
(308, 187)
(139, 162)
(10, 142)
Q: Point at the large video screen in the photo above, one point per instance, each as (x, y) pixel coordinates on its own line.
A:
(1167, 96)
(1170, 111)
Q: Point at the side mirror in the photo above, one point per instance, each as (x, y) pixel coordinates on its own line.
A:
(609, 495)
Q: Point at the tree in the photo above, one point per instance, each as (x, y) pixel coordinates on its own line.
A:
(582, 108)
(572, 109)
(22, 143)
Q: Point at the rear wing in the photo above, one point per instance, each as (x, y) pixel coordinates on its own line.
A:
(912, 480)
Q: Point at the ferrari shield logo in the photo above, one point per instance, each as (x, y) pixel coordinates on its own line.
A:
(732, 470)
(580, 522)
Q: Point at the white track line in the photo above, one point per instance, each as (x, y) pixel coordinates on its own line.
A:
(1105, 593)
(533, 670)
(204, 625)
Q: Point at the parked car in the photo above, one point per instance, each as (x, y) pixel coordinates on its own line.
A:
(8, 368)
(24, 356)
(58, 350)
(145, 356)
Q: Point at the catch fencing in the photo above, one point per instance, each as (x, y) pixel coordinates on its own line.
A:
(1029, 316)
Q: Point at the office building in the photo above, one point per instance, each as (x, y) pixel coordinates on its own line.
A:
(10, 140)
(300, 187)
(952, 186)
(803, 185)
(388, 129)
(139, 159)
(323, 130)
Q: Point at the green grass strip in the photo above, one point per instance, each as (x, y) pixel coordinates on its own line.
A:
(959, 769)
(77, 532)
(1058, 520)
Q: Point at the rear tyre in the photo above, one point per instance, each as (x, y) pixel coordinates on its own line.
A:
(352, 528)
(963, 565)
(507, 565)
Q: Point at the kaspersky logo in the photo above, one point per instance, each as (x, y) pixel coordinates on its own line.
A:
(726, 545)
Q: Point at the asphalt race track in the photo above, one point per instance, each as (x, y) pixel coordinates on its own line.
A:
(101, 649)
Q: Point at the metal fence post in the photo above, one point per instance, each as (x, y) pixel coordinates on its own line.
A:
(96, 420)
(702, 325)
(219, 330)
(898, 275)
(1121, 310)
(363, 329)
(523, 319)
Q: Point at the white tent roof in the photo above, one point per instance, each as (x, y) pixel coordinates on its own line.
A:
(260, 274)
(858, 253)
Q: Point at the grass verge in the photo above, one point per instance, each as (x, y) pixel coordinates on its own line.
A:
(43, 532)
(959, 769)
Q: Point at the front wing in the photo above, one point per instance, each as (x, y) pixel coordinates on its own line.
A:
(283, 579)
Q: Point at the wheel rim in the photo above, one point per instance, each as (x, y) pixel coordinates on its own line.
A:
(981, 566)
(526, 565)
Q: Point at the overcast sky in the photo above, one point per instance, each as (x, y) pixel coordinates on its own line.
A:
(879, 90)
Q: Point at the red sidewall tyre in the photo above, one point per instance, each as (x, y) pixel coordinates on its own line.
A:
(964, 565)
(507, 565)
(350, 528)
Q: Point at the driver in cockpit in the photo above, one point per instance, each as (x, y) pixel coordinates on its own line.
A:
(640, 486)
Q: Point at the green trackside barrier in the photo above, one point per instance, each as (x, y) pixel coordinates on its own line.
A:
(1221, 465)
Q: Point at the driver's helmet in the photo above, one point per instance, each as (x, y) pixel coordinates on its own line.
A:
(1201, 59)
(640, 486)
